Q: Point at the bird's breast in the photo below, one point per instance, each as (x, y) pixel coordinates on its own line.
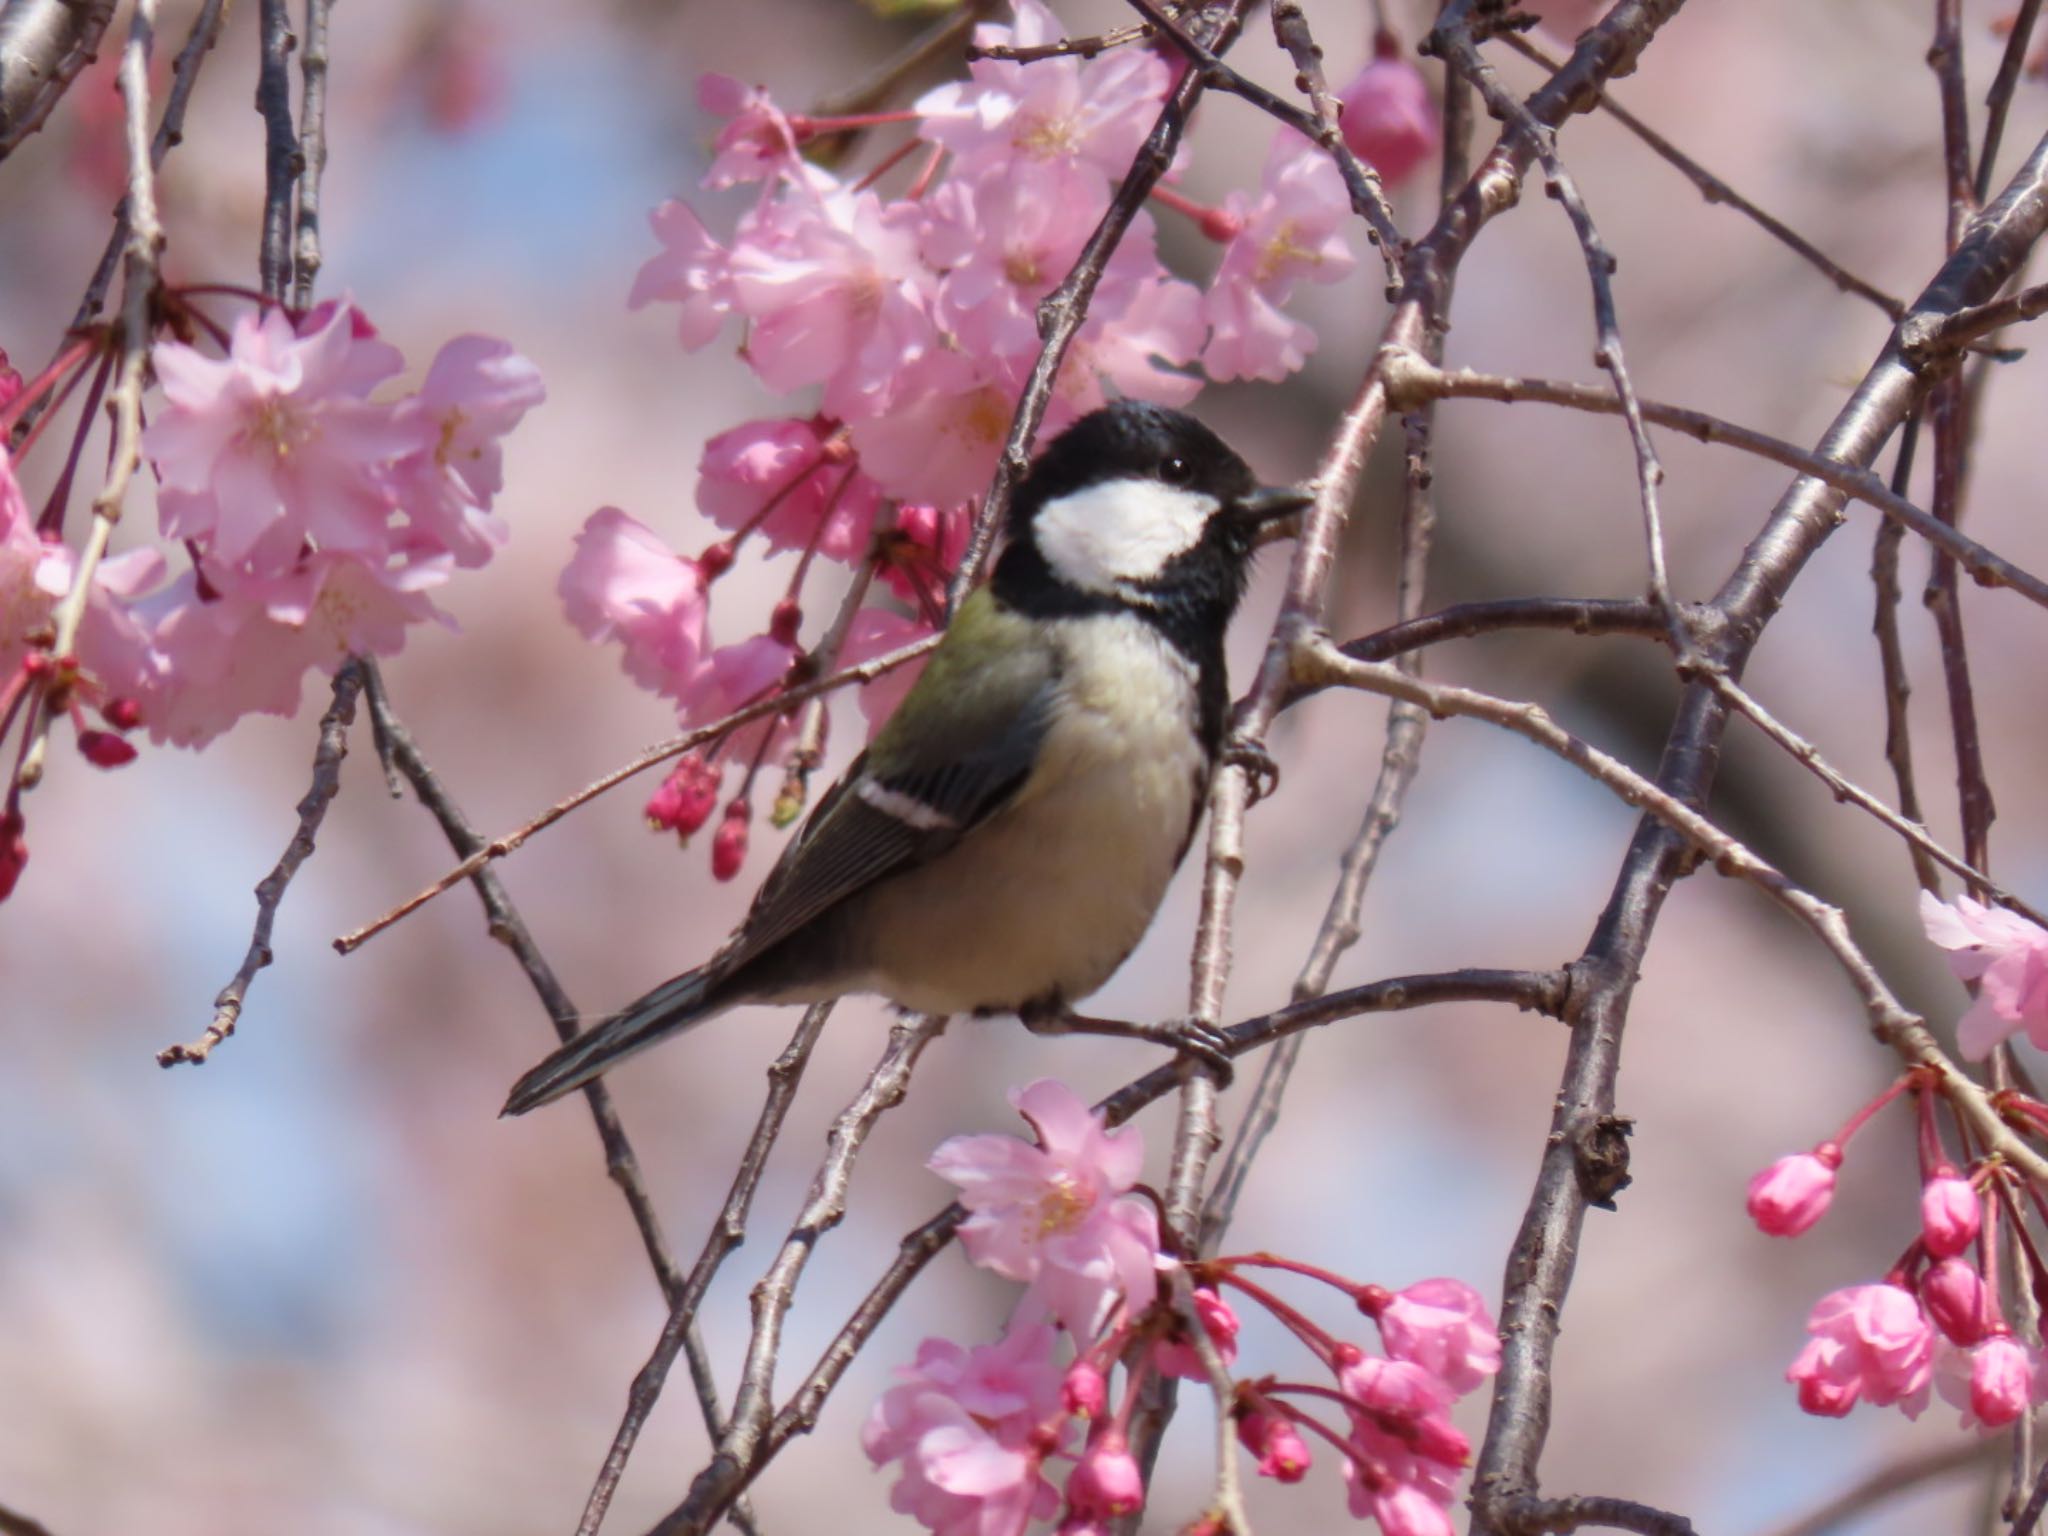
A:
(1051, 894)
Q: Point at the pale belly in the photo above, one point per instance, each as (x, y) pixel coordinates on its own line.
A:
(1049, 896)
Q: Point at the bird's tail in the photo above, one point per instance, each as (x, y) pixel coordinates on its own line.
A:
(673, 1006)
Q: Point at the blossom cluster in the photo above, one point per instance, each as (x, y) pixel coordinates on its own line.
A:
(908, 325)
(316, 515)
(979, 1434)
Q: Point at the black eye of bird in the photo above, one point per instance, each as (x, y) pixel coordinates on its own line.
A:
(1176, 471)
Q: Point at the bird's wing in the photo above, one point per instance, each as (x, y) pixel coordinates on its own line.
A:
(958, 748)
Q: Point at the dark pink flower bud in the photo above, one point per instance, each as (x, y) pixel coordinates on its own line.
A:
(1220, 225)
(1387, 117)
(1106, 1482)
(13, 851)
(1793, 1193)
(121, 714)
(686, 798)
(1084, 1390)
(2001, 1380)
(1438, 1439)
(715, 561)
(1949, 1213)
(785, 621)
(729, 843)
(103, 749)
(1956, 1300)
(1283, 1454)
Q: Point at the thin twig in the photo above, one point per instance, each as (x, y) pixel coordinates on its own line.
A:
(726, 1234)
(124, 404)
(331, 748)
(1226, 1503)
(498, 847)
(1999, 100)
(1411, 377)
(1452, 40)
(1928, 337)
(1715, 190)
(1898, 730)
(313, 152)
(1530, 1517)
(282, 161)
(740, 1452)
(505, 925)
(1075, 47)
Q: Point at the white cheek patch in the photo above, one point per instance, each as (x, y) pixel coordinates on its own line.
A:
(1120, 531)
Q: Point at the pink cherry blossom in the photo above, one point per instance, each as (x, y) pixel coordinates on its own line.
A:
(477, 389)
(1400, 1508)
(1004, 241)
(793, 482)
(1143, 349)
(692, 269)
(835, 294)
(1289, 232)
(2007, 956)
(1869, 1341)
(687, 797)
(2003, 1376)
(1083, 119)
(1443, 1326)
(1054, 1215)
(1178, 1357)
(276, 443)
(1949, 1213)
(1793, 1193)
(940, 442)
(113, 643)
(1387, 116)
(1106, 1482)
(961, 1422)
(1084, 1390)
(1956, 1300)
(733, 676)
(625, 584)
(757, 143)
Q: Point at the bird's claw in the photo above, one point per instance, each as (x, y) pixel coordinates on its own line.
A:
(1260, 769)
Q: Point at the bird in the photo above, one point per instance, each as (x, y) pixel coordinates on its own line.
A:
(1003, 843)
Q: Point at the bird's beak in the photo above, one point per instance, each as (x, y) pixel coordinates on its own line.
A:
(1268, 504)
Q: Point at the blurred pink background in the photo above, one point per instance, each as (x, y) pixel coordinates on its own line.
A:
(315, 1286)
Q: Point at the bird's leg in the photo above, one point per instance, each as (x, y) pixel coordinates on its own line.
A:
(1188, 1037)
(1258, 764)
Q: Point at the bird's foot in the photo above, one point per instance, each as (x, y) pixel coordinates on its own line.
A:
(1206, 1043)
(1257, 762)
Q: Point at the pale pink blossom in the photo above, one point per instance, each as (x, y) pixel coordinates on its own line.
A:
(1402, 1509)
(1401, 1423)
(1290, 231)
(1793, 1193)
(1055, 1215)
(790, 481)
(624, 584)
(218, 657)
(477, 389)
(1177, 1356)
(1004, 240)
(1956, 1300)
(1443, 1326)
(1949, 1213)
(35, 574)
(733, 676)
(1870, 1342)
(276, 443)
(1144, 349)
(835, 294)
(961, 1423)
(1106, 1483)
(1387, 117)
(940, 442)
(2007, 956)
(1083, 119)
(692, 269)
(757, 141)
